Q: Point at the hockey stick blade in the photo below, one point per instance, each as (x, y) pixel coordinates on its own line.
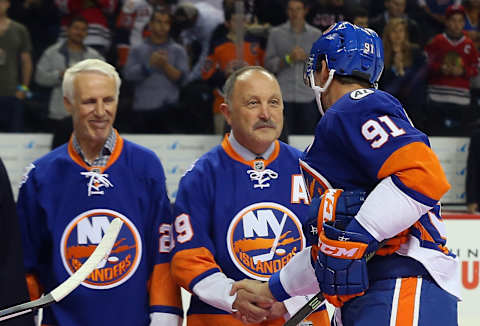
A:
(102, 251)
(316, 301)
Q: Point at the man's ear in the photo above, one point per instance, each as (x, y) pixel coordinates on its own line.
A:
(321, 76)
(225, 109)
(68, 105)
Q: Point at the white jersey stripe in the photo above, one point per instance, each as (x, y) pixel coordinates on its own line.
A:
(396, 295)
(416, 307)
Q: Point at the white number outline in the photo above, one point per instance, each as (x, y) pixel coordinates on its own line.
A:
(183, 227)
(374, 132)
(166, 242)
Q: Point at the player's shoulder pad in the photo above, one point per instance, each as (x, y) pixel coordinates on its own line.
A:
(361, 93)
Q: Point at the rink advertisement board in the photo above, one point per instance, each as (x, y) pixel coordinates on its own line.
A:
(178, 152)
(463, 241)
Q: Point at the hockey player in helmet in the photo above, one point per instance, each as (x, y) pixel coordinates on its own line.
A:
(345, 50)
(366, 141)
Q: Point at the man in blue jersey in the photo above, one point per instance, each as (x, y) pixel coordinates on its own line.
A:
(67, 200)
(366, 142)
(239, 209)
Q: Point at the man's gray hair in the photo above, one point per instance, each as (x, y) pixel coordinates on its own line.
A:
(88, 65)
(230, 83)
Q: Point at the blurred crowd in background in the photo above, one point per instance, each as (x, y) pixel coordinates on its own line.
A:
(174, 57)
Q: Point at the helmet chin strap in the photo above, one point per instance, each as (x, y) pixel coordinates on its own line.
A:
(319, 90)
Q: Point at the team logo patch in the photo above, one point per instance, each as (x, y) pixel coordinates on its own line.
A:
(262, 238)
(361, 93)
(82, 236)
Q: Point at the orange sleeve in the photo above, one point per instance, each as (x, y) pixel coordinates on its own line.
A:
(188, 264)
(164, 291)
(418, 168)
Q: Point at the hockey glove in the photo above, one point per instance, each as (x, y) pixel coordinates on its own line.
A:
(335, 206)
(341, 267)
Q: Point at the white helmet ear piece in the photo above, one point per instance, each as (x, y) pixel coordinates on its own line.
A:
(318, 90)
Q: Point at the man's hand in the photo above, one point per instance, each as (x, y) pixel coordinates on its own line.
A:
(159, 59)
(298, 54)
(254, 301)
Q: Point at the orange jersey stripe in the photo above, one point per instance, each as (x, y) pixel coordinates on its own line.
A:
(417, 166)
(35, 289)
(163, 289)
(319, 318)
(117, 150)
(190, 263)
(406, 302)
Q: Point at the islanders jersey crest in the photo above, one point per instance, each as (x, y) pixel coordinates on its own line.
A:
(262, 238)
(83, 234)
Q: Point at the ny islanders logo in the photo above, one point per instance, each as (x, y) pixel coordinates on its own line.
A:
(82, 236)
(262, 238)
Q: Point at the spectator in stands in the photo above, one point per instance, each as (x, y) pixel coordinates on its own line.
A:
(396, 9)
(53, 63)
(13, 288)
(231, 49)
(15, 59)
(157, 67)
(132, 25)
(432, 16)
(452, 62)
(287, 48)
(404, 72)
(324, 13)
(359, 17)
(195, 24)
(97, 14)
(472, 17)
(41, 18)
(473, 173)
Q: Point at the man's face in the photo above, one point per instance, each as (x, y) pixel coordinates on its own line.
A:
(256, 110)
(454, 25)
(77, 32)
(160, 25)
(395, 8)
(296, 11)
(361, 21)
(94, 107)
(4, 5)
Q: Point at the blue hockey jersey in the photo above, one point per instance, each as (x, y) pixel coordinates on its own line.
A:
(241, 218)
(65, 207)
(365, 137)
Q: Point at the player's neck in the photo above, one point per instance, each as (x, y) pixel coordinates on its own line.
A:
(339, 90)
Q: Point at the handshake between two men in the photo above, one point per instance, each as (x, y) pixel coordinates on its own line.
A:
(254, 302)
(336, 264)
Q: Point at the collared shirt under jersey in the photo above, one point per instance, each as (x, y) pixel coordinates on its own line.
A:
(247, 154)
(103, 156)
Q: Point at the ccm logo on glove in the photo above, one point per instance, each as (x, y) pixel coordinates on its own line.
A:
(341, 249)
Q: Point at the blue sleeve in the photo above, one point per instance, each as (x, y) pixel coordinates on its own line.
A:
(33, 224)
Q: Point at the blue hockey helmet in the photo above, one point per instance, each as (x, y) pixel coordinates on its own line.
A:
(348, 50)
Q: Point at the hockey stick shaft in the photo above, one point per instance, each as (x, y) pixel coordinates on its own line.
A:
(101, 252)
(316, 301)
